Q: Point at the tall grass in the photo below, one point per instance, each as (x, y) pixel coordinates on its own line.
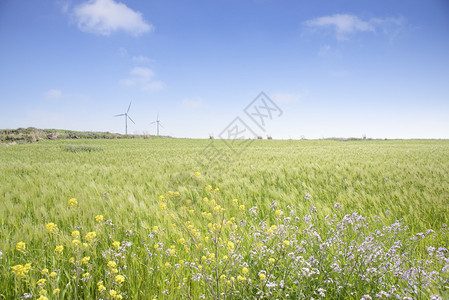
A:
(374, 183)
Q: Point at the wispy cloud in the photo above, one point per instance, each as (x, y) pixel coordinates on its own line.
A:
(64, 5)
(122, 52)
(344, 25)
(53, 94)
(104, 17)
(143, 78)
(286, 97)
(192, 103)
(141, 59)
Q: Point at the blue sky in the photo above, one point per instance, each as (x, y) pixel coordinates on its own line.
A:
(335, 68)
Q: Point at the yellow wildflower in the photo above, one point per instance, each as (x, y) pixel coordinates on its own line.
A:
(85, 245)
(44, 271)
(208, 188)
(172, 252)
(216, 190)
(90, 236)
(112, 264)
(230, 245)
(235, 201)
(176, 194)
(51, 227)
(53, 274)
(155, 228)
(116, 244)
(277, 212)
(182, 241)
(169, 193)
(42, 297)
(72, 202)
(59, 249)
(101, 288)
(112, 293)
(56, 291)
(271, 260)
(242, 207)
(75, 233)
(286, 243)
(85, 260)
(167, 265)
(197, 174)
(85, 275)
(72, 260)
(162, 206)
(76, 242)
(119, 279)
(161, 198)
(241, 278)
(205, 200)
(99, 218)
(245, 270)
(21, 246)
(114, 270)
(20, 270)
(225, 257)
(262, 276)
(41, 281)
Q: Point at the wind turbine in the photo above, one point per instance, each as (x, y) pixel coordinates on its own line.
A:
(158, 123)
(126, 118)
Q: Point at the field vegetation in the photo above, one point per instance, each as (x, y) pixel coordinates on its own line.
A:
(144, 219)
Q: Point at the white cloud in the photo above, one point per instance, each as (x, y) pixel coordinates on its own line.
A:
(286, 97)
(346, 24)
(144, 73)
(143, 78)
(192, 103)
(53, 94)
(141, 59)
(122, 52)
(107, 16)
(64, 5)
(326, 51)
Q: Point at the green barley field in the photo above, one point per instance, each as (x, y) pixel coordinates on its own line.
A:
(197, 219)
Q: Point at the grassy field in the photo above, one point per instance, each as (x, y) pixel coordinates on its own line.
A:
(282, 219)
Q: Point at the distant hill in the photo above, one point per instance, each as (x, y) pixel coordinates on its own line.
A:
(32, 134)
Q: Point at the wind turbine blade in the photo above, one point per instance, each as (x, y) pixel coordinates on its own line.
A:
(157, 119)
(129, 106)
(131, 119)
(161, 125)
(152, 122)
(119, 115)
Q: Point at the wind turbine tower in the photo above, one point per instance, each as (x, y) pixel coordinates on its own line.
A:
(126, 118)
(158, 123)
